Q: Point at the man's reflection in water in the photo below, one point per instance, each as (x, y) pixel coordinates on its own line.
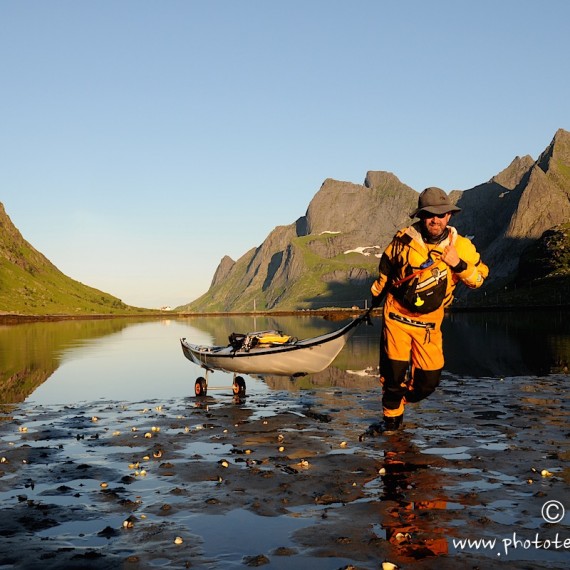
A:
(413, 523)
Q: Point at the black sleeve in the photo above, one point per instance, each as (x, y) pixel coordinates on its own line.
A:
(461, 266)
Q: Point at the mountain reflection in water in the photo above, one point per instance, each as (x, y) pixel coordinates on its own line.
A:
(526, 342)
(124, 359)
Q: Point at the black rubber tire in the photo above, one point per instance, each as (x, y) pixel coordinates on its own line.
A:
(239, 386)
(200, 387)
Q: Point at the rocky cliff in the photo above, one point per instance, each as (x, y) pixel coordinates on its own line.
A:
(329, 256)
(326, 257)
(513, 209)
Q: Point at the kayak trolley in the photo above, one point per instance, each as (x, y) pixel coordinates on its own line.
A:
(201, 386)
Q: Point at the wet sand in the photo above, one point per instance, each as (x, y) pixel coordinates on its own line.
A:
(283, 480)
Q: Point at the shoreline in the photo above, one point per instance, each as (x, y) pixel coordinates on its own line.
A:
(17, 318)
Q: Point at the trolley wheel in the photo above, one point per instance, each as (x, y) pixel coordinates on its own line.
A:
(239, 386)
(200, 387)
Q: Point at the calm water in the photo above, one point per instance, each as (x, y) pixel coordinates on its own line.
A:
(74, 361)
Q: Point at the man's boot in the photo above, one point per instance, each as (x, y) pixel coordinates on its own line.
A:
(387, 425)
(392, 423)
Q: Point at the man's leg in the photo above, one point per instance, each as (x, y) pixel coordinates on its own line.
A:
(424, 384)
(427, 356)
(396, 346)
(393, 395)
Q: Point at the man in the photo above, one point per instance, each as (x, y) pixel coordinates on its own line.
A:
(418, 273)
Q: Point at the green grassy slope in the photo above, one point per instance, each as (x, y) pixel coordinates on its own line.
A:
(31, 285)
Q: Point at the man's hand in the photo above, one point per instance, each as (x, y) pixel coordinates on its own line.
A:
(450, 256)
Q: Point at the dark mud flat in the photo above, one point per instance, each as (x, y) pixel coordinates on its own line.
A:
(283, 481)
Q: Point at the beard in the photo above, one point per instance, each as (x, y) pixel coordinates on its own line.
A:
(434, 230)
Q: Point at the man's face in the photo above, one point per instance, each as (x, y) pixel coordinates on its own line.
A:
(435, 223)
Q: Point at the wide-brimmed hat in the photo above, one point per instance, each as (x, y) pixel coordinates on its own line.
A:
(434, 201)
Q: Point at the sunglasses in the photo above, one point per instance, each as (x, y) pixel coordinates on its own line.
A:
(427, 215)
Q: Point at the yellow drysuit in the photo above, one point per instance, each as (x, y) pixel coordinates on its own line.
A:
(418, 286)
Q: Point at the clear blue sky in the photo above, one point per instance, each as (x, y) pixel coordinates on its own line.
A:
(141, 141)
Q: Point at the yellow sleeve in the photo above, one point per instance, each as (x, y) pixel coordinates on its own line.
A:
(476, 272)
(380, 286)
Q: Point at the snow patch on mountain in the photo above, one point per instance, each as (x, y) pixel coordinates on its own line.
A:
(366, 250)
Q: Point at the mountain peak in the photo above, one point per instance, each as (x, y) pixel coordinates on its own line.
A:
(222, 270)
(511, 176)
(557, 152)
(381, 179)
